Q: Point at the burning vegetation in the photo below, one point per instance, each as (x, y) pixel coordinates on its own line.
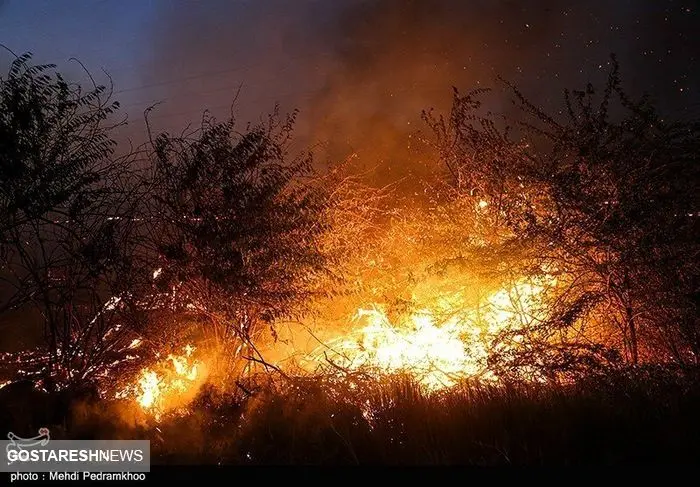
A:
(543, 253)
(169, 385)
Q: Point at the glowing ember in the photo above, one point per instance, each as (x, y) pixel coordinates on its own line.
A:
(167, 386)
(4, 383)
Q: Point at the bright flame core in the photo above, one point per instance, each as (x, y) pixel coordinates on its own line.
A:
(169, 385)
(435, 347)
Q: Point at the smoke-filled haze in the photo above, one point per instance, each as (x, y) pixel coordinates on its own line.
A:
(359, 71)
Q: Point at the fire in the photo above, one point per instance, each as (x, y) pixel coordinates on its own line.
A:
(433, 354)
(168, 385)
(438, 345)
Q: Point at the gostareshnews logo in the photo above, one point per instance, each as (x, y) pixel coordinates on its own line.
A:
(88, 457)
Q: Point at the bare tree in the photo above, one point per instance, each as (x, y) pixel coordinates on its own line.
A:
(66, 205)
(605, 197)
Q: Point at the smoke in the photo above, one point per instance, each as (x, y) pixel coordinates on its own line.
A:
(395, 58)
(361, 71)
(204, 53)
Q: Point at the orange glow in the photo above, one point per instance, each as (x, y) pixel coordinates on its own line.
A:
(169, 385)
(425, 295)
(437, 345)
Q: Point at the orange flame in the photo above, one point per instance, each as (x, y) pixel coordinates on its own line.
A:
(169, 385)
(436, 348)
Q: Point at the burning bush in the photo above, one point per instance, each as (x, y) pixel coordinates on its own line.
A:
(236, 226)
(592, 197)
(169, 385)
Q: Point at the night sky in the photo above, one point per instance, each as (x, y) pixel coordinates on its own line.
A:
(359, 71)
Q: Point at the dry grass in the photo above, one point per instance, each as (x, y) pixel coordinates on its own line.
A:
(641, 416)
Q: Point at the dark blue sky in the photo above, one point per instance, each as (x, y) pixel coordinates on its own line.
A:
(359, 70)
(101, 33)
(142, 44)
